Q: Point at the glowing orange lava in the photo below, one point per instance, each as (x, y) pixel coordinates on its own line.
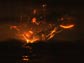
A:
(36, 30)
(35, 34)
(32, 37)
(29, 37)
(67, 26)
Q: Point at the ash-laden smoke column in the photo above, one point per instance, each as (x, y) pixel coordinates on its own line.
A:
(37, 28)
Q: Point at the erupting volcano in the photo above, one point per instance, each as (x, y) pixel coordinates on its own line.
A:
(37, 28)
(38, 31)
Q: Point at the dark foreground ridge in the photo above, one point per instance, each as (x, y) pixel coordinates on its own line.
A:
(53, 51)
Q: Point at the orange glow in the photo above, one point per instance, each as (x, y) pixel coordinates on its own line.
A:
(34, 20)
(32, 35)
(52, 33)
(25, 58)
(29, 37)
(14, 27)
(34, 11)
(67, 26)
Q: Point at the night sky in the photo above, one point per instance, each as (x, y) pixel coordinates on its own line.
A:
(11, 10)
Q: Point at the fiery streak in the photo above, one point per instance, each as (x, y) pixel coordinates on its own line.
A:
(67, 26)
(52, 33)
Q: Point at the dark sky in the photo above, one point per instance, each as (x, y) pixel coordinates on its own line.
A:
(11, 9)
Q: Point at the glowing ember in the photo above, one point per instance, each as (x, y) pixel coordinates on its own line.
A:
(52, 33)
(25, 58)
(34, 21)
(67, 26)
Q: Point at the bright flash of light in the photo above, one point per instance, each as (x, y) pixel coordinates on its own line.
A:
(67, 26)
